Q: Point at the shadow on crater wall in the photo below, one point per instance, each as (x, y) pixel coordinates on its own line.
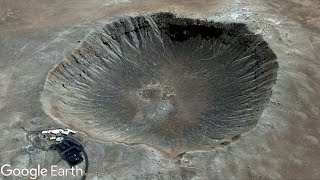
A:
(176, 84)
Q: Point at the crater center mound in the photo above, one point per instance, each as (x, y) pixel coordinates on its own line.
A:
(176, 84)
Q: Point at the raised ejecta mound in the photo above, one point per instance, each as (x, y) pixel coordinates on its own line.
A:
(176, 84)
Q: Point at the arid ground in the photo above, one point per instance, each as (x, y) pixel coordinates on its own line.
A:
(36, 35)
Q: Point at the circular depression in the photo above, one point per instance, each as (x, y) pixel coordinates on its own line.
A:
(177, 84)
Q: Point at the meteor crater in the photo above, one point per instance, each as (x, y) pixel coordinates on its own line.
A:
(176, 84)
